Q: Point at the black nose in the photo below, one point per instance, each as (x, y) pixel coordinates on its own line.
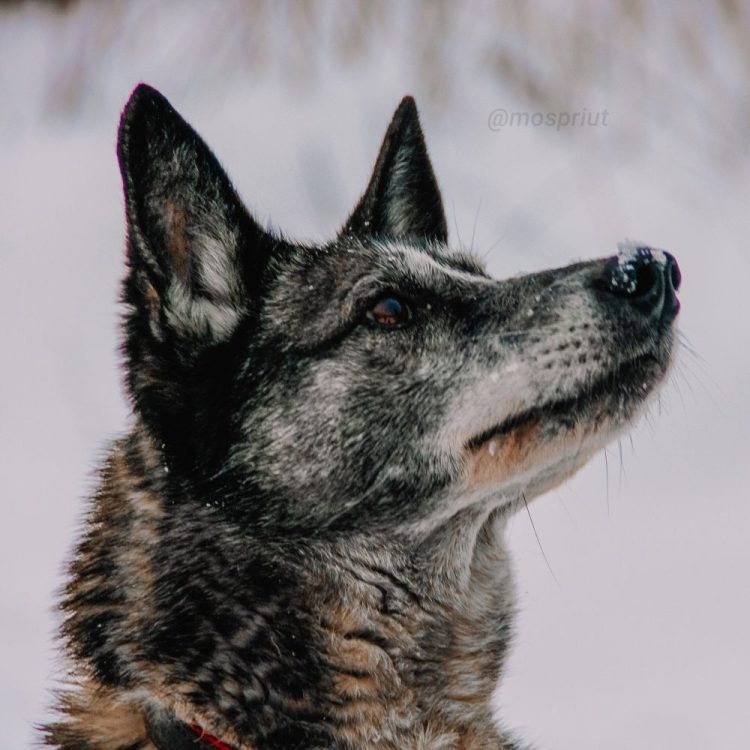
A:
(647, 279)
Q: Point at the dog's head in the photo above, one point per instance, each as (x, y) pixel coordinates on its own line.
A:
(378, 380)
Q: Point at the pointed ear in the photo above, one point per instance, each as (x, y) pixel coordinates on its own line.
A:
(402, 200)
(194, 253)
(192, 244)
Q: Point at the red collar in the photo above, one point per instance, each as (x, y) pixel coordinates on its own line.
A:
(208, 739)
(166, 732)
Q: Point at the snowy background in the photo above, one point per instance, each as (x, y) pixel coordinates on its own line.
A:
(638, 635)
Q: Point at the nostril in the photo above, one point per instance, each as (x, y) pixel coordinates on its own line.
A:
(646, 278)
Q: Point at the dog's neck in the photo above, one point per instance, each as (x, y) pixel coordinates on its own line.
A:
(378, 641)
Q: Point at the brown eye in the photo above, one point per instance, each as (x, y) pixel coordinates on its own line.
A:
(389, 312)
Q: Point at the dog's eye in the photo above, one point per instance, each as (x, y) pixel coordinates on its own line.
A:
(389, 312)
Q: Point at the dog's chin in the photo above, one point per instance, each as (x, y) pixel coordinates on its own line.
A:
(537, 449)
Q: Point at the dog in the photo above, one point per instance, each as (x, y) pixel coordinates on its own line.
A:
(299, 543)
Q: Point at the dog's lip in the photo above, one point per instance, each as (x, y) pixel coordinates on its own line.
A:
(627, 372)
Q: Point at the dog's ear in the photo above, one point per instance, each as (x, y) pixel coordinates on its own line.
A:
(194, 254)
(402, 200)
(192, 245)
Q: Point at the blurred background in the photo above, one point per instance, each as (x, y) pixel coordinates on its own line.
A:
(636, 635)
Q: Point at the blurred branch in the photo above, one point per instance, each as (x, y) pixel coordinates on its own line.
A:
(687, 61)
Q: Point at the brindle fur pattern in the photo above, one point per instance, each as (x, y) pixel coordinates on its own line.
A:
(299, 543)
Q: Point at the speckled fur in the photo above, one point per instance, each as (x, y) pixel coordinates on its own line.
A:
(299, 543)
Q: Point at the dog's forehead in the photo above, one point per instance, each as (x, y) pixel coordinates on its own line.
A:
(425, 262)
(429, 258)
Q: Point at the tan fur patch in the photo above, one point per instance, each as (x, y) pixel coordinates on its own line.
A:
(101, 719)
(502, 457)
(525, 448)
(153, 302)
(364, 668)
(177, 239)
(371, 694)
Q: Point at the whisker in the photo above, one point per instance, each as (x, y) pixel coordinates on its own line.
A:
(685, 343)
(680, 371)
(565, 507)
(538, 540)
(673, 381)
(455, 224)
(685, 366)
(474, 228)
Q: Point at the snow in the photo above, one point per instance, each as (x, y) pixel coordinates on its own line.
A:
(628, 251)
(644, 641)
